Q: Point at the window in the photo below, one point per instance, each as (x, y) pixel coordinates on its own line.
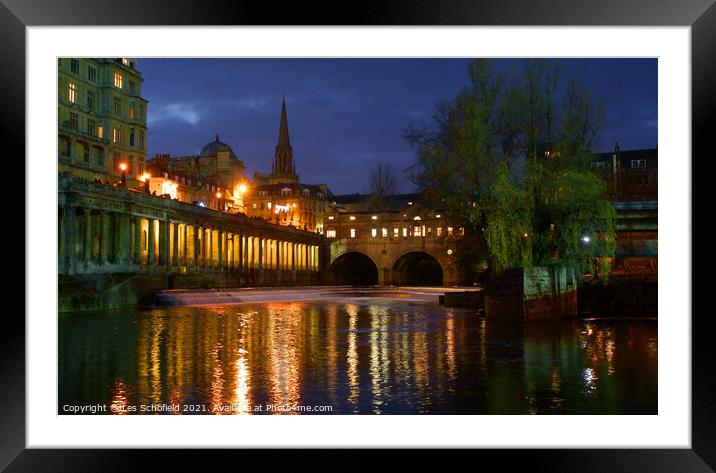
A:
(352, 217)
(405, 231)
(330, 234)
(263, 193)
(396, 232)
(353, 232)
(91, 74)
(384, 232)
(330, 218)
(99, 156)
(449, 231)
(269, 205)
(638, 163)
(439, 231)
(598, 165)
(115, 135)
(90, 100)
(319, 195)
(285, 191)
(72, 92)
(118, 80)
(117, 106)
(74, 66)
(115, 160)
(124, 61)
(85, 153)
(141, 139)
(131, 137)
(131, 111)
(73, 120)
(461, 231)
(65, 149)
(417, 232)
(374, 232)
(306, 192)
(100, 131)
(130, 162)
(141, 111)
(132, 88)
(90, 126)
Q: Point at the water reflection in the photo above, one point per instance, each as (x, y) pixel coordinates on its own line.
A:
(360, 357)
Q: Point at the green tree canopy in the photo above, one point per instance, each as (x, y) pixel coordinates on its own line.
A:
(510, 157)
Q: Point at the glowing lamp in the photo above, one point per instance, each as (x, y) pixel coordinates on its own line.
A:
(122, 167)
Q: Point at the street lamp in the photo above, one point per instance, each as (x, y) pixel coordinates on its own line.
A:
(123, 168)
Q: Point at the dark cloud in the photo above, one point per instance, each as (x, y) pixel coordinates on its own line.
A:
(345, 115)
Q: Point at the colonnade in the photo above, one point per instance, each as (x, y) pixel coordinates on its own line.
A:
(95, 241)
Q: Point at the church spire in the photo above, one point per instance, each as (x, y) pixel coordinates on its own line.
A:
(283, 139)
(283, 166)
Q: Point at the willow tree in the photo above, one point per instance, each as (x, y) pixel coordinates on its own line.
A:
(510, 158)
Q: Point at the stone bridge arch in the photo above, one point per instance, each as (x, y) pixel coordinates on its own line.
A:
(418, 267)
(353, 268)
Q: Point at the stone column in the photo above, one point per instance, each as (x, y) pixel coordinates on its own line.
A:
(196, 247)
(105, 239)
(123, 239)
(175, 245)
(220, 250)
(185, 246)
(138, 240)
(87, 240)
(70, 216)
(261, 254)
(150, 242)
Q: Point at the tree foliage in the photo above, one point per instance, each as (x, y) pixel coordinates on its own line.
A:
(510, 156)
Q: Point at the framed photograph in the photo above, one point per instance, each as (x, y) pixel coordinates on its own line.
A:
(422, 227)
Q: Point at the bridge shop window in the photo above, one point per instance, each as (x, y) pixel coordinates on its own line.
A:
(331, 233)
(384, 232)
(405, 231)
(439, 231)
(638, 163)
(374, 232)
(449, 231)
(353, 232)
(396, 232)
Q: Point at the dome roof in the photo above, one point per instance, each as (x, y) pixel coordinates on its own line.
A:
(213, 148)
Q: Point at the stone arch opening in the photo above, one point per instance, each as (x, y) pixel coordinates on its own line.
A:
(353, 269)
(417, 268)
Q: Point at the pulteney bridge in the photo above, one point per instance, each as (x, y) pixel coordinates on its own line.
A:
(404, 245)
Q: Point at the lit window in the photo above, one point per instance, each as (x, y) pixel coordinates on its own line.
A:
(118, 80)
(131, 111)
(437, 216)
(374, 217)
(353, 232)
(439, 231)
(115, 135)
(417, 232)
(405, 231)
(449, 230)
(269, 205)
(330, 233)
(352, 217)
(638, 163)
(374, 232)
(72, 92)
(125, 61)
(461, 231)
(384, 232)
(416, 218)
(396, 232)
(100, 130)
(330, 218)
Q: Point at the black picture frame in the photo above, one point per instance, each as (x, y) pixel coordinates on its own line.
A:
(700, 15)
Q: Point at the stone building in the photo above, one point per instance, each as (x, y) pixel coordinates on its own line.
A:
(631, 175)
(213, 178)
(280, 197)
(102, 118)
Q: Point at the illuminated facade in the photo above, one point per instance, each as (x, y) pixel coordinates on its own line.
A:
(279, 197)
(102, 118)
(214, 178)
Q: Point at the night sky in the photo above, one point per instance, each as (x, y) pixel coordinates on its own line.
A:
(345, 115)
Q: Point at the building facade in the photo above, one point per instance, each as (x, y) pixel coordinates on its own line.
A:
(102, 119)
(280, 197)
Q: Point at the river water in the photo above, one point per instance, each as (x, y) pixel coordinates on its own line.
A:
(362, 355)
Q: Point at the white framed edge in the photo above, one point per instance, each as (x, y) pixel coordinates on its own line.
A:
(670, 428)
